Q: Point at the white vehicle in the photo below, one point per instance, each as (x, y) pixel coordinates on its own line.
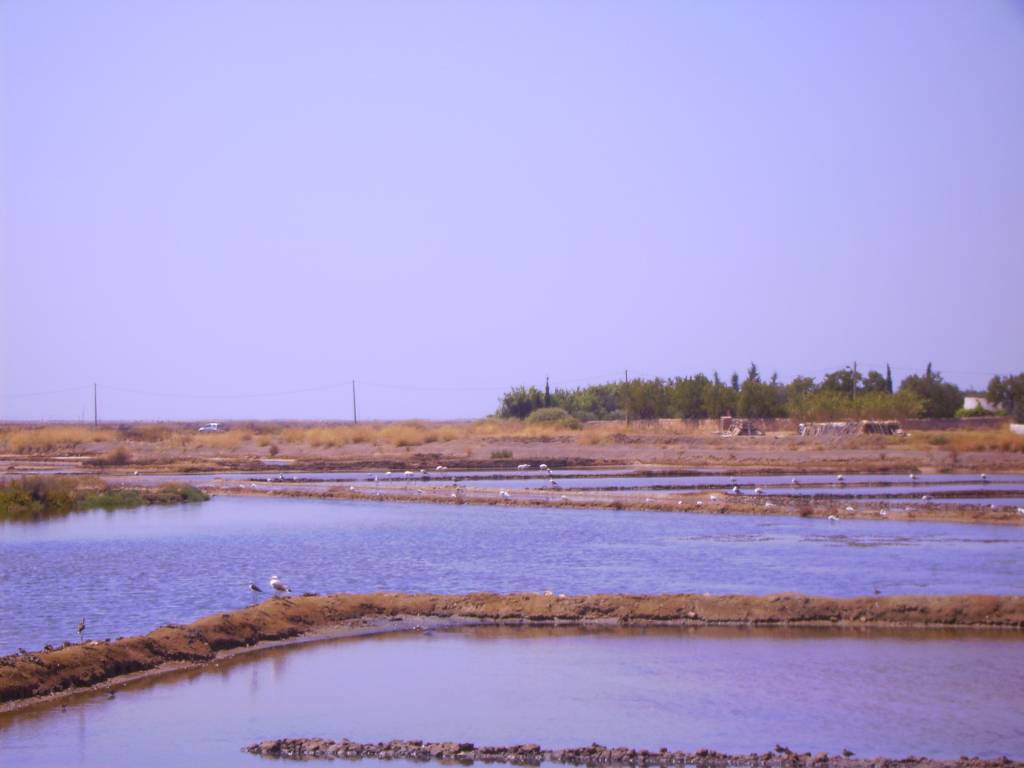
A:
(213, 426)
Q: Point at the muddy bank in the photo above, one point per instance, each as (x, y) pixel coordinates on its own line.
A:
(27, 675)
(718, 502)
(595, 754)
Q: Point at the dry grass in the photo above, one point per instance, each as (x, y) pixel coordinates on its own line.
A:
(968, 440)
(222, 441)
(47, 439)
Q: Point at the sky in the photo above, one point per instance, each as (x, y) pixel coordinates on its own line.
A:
(227, 209)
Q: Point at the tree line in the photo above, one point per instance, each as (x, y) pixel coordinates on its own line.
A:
(843, 394)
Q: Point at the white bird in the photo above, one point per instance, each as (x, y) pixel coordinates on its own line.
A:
(794, 481)
(883, 513)
(504, 494)
(548, 593)
(440, 468)
(926, 497)
(388, 472)
(408, 472)
(699, 503)
(833, 518)
(912, 477)
(542, 466)
(1020, 510)
(351, 487)
(758, 491)
(278, 585)
(523, 466)
(735, 489)
(984, 477)
(839, 478)
(768, 505)
(849, 509)
(713, 497)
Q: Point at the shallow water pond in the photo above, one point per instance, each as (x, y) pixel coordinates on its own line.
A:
(876, 693)
(130, 571)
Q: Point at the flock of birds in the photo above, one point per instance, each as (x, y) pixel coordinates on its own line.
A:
(275, 583)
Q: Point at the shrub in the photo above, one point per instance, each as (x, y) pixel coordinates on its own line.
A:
(502, 454)
(553, 416)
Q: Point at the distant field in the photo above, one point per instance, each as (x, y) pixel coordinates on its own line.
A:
(494, 442)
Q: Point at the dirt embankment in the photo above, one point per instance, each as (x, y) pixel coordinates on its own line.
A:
(595, 754)
(27, 675)
(717, 503)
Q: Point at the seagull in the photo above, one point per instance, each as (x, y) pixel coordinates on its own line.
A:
(81, 629)
(984, 477)
(794, 481)
(926, 497)
(279, 585)
(912, 477)
(504, 494)
(1020, 510)
(542, 466)
(254, 588)
(768, 505)
(883, 513)
(849, 509)
(699, 503)
(736, 489)
(833, 518)
(758, 491)
(523, 466)
(839, 478)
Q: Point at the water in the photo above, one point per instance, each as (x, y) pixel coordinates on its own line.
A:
(934, 694)
(130, 571)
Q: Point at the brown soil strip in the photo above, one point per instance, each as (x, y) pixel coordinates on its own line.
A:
(27, 676)
(531, 754)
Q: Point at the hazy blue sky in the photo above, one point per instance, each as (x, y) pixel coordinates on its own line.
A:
(206, 199)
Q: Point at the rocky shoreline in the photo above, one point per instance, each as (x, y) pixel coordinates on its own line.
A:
(26, 676)
(594, 755)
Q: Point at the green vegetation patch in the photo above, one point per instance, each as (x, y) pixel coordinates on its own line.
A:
(40, 497)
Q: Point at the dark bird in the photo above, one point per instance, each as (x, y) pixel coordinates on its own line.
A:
(847, 753)
(81, 629)
(254, 588)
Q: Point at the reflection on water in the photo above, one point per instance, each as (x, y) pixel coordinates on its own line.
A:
(877, 693)
(131, 571)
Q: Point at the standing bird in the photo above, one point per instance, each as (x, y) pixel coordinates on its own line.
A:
(278, 585)
(81, 629)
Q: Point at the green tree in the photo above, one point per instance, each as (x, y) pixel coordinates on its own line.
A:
(1007, 392)
(875, 382)
(520, 402)
(940, 400)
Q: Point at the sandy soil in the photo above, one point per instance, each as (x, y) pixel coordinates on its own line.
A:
(595, 754)
(24, 677)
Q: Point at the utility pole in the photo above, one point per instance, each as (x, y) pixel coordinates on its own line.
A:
(95, 410)
(355, 420)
